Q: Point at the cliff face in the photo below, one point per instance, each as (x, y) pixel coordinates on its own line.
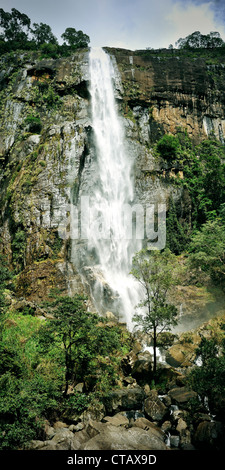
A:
(44, 133)
(46, 149)
(177, 90)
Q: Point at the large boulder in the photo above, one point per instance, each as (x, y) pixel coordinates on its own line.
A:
(124, 399)
(142, 368)
(210, 435)
(181, 395)
(154, 407)
(121, 438)
(181, 355)
(64, 439)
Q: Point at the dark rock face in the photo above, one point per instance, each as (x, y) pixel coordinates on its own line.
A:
(182, 91)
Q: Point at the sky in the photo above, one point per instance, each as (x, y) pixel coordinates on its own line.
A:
(130, 24)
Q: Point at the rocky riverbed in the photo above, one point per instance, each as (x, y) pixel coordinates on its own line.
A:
(141, 415)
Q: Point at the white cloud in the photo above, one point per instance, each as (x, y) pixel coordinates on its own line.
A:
(187, 18)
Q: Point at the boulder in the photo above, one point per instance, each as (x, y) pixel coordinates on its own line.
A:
(185, 440)
(210, 435)
(181, 395)
(117, 420)
(154, 408)
(142, 369)
(125, 399)
(181, 355)
(120, 438)
(64, 439)
(150, 427)
(181, 425)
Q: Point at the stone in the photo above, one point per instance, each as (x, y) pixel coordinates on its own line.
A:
(118, 438)
(181, 425)
(154, 408)
(181, 355)
(174, 441)
(117, 420)
(185, 440)
(76, 427)
(210, 435)
(63, 439)
(166, 426)
(142, 369)
(181, 395)
(79, 387)
(150, 427)
(124, 399)
(60, 425)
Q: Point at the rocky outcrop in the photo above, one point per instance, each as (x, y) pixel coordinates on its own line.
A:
(165, 90)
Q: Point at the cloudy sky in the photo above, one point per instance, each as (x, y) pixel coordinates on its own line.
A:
(132, 24)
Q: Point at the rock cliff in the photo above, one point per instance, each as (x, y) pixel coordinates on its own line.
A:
(47, 155)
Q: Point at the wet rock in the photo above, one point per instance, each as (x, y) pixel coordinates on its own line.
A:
(174, 441)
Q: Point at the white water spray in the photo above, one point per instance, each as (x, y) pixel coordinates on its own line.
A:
(114, 190)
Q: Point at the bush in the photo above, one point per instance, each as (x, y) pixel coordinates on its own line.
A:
(168, 147)
(34, 124)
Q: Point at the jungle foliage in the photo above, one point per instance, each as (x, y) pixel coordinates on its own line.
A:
(40, 359)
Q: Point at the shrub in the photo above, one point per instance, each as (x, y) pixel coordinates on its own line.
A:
(34, 123)
(168, 147)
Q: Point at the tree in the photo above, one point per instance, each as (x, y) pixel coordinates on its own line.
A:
(75, 39)
(42, 34)
(197, 40)
(81, 335)
(157, 273)
(16, 25)
(208, 379)
(207, 250)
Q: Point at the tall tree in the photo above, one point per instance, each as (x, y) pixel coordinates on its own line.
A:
(16, 25)
(42, 34)
(198, 40)
(207, 250)
(75, 39)
(157, 273)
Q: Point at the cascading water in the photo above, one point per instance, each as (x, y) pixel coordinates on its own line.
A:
(114, 189)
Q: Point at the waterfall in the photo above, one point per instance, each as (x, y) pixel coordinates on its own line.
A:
(113, 193)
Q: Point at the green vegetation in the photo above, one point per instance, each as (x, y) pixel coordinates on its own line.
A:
(209, 379)
(203, 186)
(207, 251)
(168, 147)
(197, 40)
(157, 273)
(40, 359)
(19, 35)
(34, 123)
